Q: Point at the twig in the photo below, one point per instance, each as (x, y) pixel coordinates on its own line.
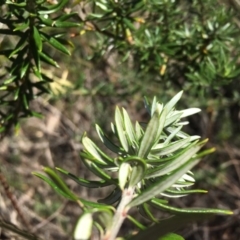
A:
(10, 195)
(11, 227)
(120, 214)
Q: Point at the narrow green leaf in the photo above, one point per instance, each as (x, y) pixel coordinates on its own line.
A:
(169, 106)
(66, 16)
(163, 184)
(149, 136)
(95, 151)
(128, 126)
(174, 164)
(20, 45)
(184, 192)
(170, 148)
(53, 8)
(112, 198)
(55, 43)
(37, 39)
(129, 24)
(37, 73)
(136, 223)
(173, 118)
(46, 21)
(148, 213)
(54, 186)
(162, 121)
(59, 182)
(91, 148)
(120, 129)
(25, 101)
(36, 114)
(83, 228)
(189, 112)
(85, 182)
(104, 217)
(45, 57)
(9, 80)
(22, 4)
(24, 69)
(138, 170)
(96, 205)
(16, 94)
(139, 131)
(99, 172)
(22, 26)
(111, 146)
(185, 211)
(123, 174)
(172, 135)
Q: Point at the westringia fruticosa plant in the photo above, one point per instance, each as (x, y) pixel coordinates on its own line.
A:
(152, 161)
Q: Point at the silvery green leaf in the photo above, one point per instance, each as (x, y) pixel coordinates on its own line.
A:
(120, 129)
(182, 184)
(174, 164)
(173, 118)
(162, 184)
(111, 146)
(193, 138)
(128, 126)
(190, 111)
(156, 160)
(149, 137)
(98, 171)
(123, 174)
(172, 135)
(113, 128)
(83, 228)
(171, 195)
(102, 6)
(138, 166)
(180, 134)
(139, 131)
(169, 106)
(157, 147)
(105, 159)
(154, 106)
(182, 123)
(187, 177)
(91, 148)
(171, 147)
(161, 122)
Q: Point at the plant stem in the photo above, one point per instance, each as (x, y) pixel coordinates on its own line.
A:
(121, 214)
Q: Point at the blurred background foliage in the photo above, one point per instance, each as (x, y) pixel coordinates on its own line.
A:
(73, 61)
